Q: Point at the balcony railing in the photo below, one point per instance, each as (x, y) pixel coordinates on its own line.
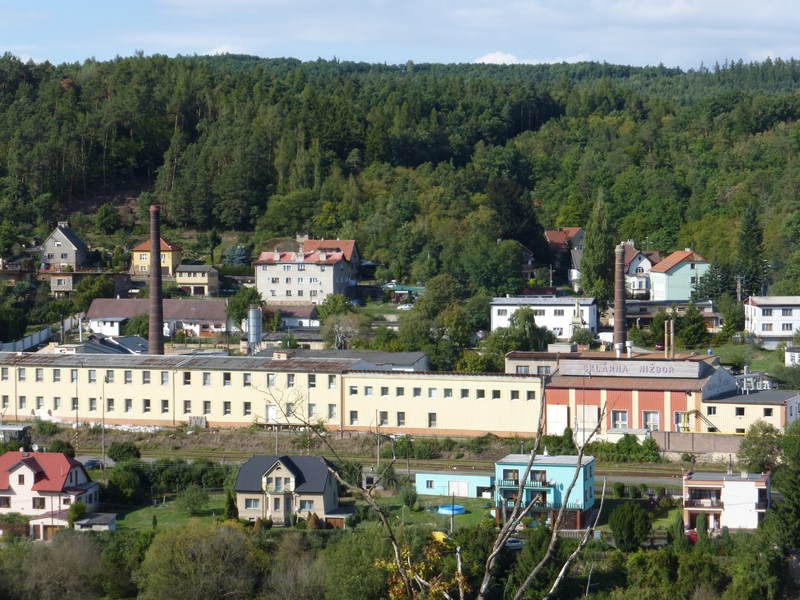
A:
(272, 489)
(703, 503)
(514, 483)
(547, 505)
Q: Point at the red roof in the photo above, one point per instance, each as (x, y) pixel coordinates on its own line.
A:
(676, 258)
(344, 246)
(50, 469)
(163, 244)
(309, 258)
(558, 238)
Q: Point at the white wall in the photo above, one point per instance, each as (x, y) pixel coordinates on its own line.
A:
(739, 500)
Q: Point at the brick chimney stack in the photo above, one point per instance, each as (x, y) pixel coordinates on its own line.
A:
(156, 330)
(620, 330)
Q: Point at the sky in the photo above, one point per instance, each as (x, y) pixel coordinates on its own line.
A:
(675, 33)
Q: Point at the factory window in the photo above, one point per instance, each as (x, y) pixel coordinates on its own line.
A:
(331, 411)
(385, 390)
(128, 405)
(312, 411)
(74, 403)
(247, 409)
(187, 407)
(92, 404)
(431, 419)
(495, 394)
(146, 377)
(110, 404)
(767, 412)
(480, 394)
(368, 390)
(39, 374)
(164, 377)
(146, 405)
(206, 407)
(226, 379)
(558, 312)
(650, 420)
(739, 430)
(448, 392)
(433, 393)
(464, 394)
(290, 380)
(401, 419)
(187, 378)
(416, 392)
(4, 373)
(353, 390)
(247, 379)
(109, 376)
(515, 394)
(331, 382)
(353, 417)
(271, 380)
(312, 381)
(226, 407)
(56, 375)
(73, 375)
(92, 376)
(530, 395)
(619, 419)
(383, 418)
(711, 411)
(128, 376)
(740, 411)
(164, 407)
(400, 391)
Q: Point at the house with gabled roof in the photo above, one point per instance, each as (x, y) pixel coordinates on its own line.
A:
(42, 486)
(198, 280)
(676, 276)
(63, 250)
(566, 246)
(275, 487)
(171, 256)
(637, 270)
(197, 318)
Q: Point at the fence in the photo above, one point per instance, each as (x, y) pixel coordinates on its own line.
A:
(30, 341)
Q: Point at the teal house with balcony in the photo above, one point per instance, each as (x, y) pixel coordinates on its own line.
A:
(546, 487)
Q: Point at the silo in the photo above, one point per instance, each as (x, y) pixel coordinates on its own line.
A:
(254, 330)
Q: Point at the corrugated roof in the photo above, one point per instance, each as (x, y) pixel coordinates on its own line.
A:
(676, 258)
(174, 362)
(542, 301)
(311, 472)
(778, 397)
(773, 300)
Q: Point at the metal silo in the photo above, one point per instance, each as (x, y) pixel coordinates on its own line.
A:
(254, 330)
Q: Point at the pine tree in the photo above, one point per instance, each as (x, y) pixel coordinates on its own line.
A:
(750, 263)
(693, 331)
(231, 510)
(597, 264)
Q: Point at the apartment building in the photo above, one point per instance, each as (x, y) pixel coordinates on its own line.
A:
(772, 319)
(735, 501)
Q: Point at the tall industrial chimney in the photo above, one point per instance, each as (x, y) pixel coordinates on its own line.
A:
(156, 331)
(620, 330)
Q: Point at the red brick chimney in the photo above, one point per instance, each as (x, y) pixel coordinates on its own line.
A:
(156, 331)
(620, 329)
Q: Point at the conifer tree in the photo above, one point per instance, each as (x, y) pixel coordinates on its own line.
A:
(597, 264)
(750, 262)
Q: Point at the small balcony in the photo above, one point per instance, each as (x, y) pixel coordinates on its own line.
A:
(704, 503)
(514, 484)
(272, 489)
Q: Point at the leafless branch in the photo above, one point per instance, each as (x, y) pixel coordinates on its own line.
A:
(560, 518)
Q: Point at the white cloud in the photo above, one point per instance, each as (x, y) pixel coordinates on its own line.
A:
(506, 58)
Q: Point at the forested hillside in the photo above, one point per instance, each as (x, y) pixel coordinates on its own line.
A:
(426, 166)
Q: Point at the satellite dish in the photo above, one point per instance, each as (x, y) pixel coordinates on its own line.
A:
(35, 447)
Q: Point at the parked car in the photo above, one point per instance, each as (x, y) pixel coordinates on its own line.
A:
(514, 544)
(92, 463)
(405, 307)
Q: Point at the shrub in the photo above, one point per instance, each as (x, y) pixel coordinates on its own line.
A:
(267, 523)
(47, 428)
(636, 492)
(686, 456)
(62, 447)
(409, 495)
(619, 489)
(643, 489)
(123, 451)
(630, 525)
(314, 522)
(293, 519)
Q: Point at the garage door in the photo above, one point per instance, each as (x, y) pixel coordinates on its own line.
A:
(457, 488)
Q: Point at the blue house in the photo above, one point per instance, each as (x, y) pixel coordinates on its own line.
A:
(451, 483)
(546, 486)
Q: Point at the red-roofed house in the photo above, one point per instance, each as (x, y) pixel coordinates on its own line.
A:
(171, 256)
(43, 485)
(324, 267)
(676, 276)
(566, 245)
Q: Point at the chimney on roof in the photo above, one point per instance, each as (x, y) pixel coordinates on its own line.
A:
(620, 334)
(155, 344)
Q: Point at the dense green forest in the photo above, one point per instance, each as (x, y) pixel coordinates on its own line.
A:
(426, 166)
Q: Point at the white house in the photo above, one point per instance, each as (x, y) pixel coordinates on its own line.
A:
(637, 270)
(676, 277)
(735, 501)
(772, 319)
(42, 486)
(561, 315)
(791, 356)
(320, 269)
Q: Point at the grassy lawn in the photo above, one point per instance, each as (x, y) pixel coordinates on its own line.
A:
(475, 508)
(661, 524)
(756, 358)
(141, 517)
(377, 310)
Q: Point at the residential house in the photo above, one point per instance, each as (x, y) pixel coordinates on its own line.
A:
(676, 276)
(546, 486)
(791, 356)
(772, 319)
(42, 486)
(728, 500)
(563, 315)
(198, 280)
(171, 256)
(322, 268)
(196, 318)
(276, 487)
(97, 343)
(17, 271)
(298, 315)
(640, 313)
(63, 250)
(637, 270)
(566, 246)
(454, 484)
(64, 283)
